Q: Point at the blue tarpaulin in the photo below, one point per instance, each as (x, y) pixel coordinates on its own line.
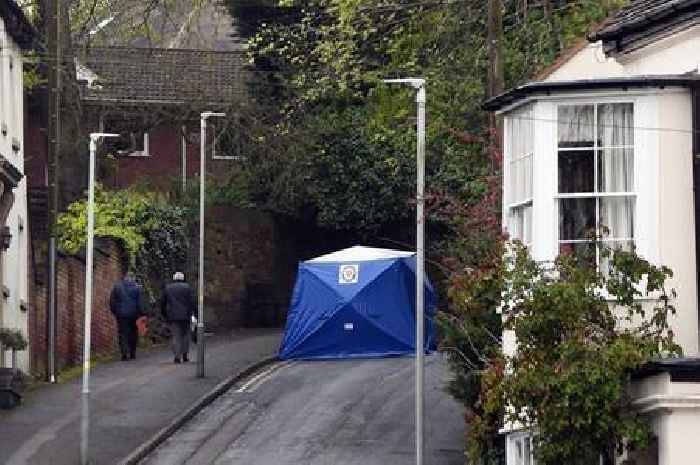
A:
(355, 303)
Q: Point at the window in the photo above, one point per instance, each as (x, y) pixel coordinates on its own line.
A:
(138, 145)
(522, 453)
(520, 154)
(226, 143)
(596, 177)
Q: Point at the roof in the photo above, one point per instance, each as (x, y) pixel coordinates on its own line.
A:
(17, 25)
(126, 75)
(547, 88)
(644, 19)
(681, 369)
(361, 254)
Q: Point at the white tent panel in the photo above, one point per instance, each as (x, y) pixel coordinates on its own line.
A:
(361, 254)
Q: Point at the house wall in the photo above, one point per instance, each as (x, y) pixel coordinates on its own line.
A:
(15, 273)
(588, 63)
(673, 409)
(675, 54)
(676, 222)
(162, 168)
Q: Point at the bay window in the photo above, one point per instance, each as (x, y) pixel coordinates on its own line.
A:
(595, 158)
(520, 155)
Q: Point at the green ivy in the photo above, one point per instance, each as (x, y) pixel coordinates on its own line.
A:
(154, 232)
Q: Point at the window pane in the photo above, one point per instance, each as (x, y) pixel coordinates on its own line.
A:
(576, 172)
(576, 126)
(576, 219)
(585, 252)
(616, 170)
(617, 216)
(615, 124)
(527, 228)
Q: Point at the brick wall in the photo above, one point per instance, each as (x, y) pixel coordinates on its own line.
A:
(70, 309)
(163, 166)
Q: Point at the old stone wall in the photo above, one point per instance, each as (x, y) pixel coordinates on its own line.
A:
(108, 268)
(248, 271)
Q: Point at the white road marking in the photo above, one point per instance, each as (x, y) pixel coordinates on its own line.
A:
(261, 377)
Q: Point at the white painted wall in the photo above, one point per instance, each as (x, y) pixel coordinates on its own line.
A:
(676, 54)
(676, 222)
(674, 411)
(589, 63)
(15, 269)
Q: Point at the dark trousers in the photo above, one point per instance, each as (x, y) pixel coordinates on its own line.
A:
(180, 338)
(128, 336)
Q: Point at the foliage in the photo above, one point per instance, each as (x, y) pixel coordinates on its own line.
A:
(581, 333)
(233, 190)
(116, 22)
(153, 231)
(12, 339)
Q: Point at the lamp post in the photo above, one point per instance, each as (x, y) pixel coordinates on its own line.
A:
(85, 423)
(419, 85)
(202, 175)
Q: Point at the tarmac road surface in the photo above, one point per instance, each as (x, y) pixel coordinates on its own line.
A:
(349, 412)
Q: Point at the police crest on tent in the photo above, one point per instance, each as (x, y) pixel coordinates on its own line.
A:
(348, 274)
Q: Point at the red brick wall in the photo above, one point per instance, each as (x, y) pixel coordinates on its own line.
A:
(163, 166)
(71, 306)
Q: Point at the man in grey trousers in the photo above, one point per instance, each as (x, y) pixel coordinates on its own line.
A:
(178, 306)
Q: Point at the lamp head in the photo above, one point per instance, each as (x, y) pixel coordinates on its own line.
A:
(417, 83)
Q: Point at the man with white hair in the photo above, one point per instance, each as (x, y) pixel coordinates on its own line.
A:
(178, 307)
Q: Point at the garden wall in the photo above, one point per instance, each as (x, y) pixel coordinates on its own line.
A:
(108, 268)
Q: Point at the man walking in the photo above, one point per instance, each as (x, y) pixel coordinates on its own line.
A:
(127, 304)
(178, 307)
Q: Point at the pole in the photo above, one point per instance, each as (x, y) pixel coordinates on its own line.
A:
(85, 422)
(183, 149)
(496, 79)
(420, 267)
(202, 184)
(87, 325)
(200, 303)
(419, 85)
(54, 123)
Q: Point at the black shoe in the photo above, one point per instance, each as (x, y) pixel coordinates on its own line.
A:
(177, 359)
(132, 356)
(124, 358)
(185, 358)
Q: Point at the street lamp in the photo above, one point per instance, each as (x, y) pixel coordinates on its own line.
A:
(419, 85)
(202, 174)
(94, 138)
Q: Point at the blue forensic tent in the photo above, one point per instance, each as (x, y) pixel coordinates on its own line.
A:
(355, 303)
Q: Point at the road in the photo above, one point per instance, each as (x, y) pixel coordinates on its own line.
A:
(358, 412)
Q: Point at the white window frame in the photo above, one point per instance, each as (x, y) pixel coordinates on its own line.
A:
(520, 211)
(146, 152)
(597, 195)
(214, 155)
(519, 450)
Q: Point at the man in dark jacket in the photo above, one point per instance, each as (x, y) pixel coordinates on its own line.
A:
(127, 304)
(178, 307)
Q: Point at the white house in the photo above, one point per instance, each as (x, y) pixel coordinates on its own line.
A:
(611, 136)
(16, 36)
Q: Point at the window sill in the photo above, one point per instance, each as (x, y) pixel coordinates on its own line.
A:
(587, 195)
(522, 203)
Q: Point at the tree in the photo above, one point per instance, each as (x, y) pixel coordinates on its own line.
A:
(580, 335)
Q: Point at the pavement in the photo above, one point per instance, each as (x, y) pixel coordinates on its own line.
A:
(129, 402)
(346, 412)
